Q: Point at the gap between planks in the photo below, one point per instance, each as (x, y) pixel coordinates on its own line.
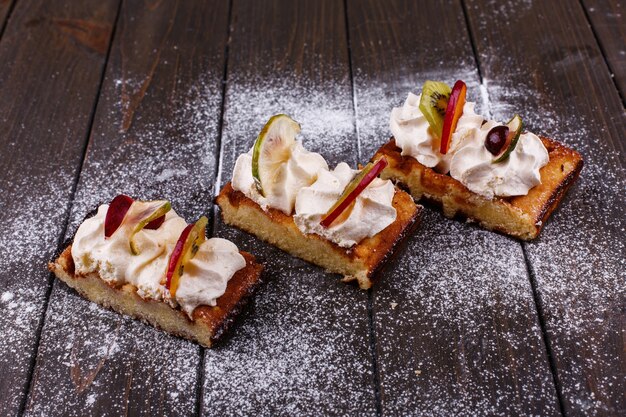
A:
(6, 18)
(370, 293)
(61, 240)
(216, 189)
(529, 271)
(603, 52)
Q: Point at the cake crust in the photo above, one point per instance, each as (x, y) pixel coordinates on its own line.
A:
(520, 216)
(360, 263)
(208, 324)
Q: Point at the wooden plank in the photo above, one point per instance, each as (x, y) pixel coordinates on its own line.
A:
(49, 80)
(608, 19)
(5, 6)
(154, 136)
(554, 74)
(457, 332)
(303, 346)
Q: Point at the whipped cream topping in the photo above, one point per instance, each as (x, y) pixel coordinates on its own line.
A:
(299, 171)
(112, 259)
(472, 167)
(207, 273)
(371, 212)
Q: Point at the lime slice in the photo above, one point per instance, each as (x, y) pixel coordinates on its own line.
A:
(150, 210)
(272, 148)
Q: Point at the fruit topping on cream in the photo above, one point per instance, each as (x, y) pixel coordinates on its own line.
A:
(473, 165)
(490, 159)
(345, 205)
(277, 166)
(203, 272)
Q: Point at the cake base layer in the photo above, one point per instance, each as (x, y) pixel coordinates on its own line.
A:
(521, 216)
(208, 323)
(358, 263)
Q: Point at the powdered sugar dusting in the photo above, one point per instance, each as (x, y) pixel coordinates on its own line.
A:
(580, 260)
(465, 318)
(303, 347)
(30, 225)
(95, 355)
(169, 157)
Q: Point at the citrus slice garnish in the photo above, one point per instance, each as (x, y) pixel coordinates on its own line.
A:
(272, 148)
(150, 211)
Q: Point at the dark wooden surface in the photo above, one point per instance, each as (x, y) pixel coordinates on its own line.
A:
(5, 6)
(157, 99)
(303, 347)
(608, 22)
(574, 101)
(453, 334)
(49, 82)
(149, 141)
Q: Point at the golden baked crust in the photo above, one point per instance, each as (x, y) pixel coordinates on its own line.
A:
(521, 216)
(209, 323)
(360, 262)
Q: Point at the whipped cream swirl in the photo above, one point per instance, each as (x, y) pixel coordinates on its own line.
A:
(371, 212)
(472, 167)
(205, 277)
(299, 171)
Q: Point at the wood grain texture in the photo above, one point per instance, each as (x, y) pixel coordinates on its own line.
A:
(154, 136)
(303, 347)
(457, 332)
(554, 74)
(608, 19)
(48, 86)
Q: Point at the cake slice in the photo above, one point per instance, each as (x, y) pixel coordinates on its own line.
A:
(346, 221)
(495, 174)
(187, 285)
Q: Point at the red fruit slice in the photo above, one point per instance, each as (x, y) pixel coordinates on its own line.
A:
(115, 214)
(353, 189)
(185, 249)
(453, 114)
(150, 211)
(156, 223)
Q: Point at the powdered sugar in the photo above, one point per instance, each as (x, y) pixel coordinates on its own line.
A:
(302, 349)
(303, 346)
(171, 157)
(465, 318)
(101, 349)
(30, 224)
(579, 272)
(579, 261)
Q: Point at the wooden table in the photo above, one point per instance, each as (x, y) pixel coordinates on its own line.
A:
(157, 98)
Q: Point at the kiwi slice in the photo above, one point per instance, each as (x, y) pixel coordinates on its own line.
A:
(433, 104)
